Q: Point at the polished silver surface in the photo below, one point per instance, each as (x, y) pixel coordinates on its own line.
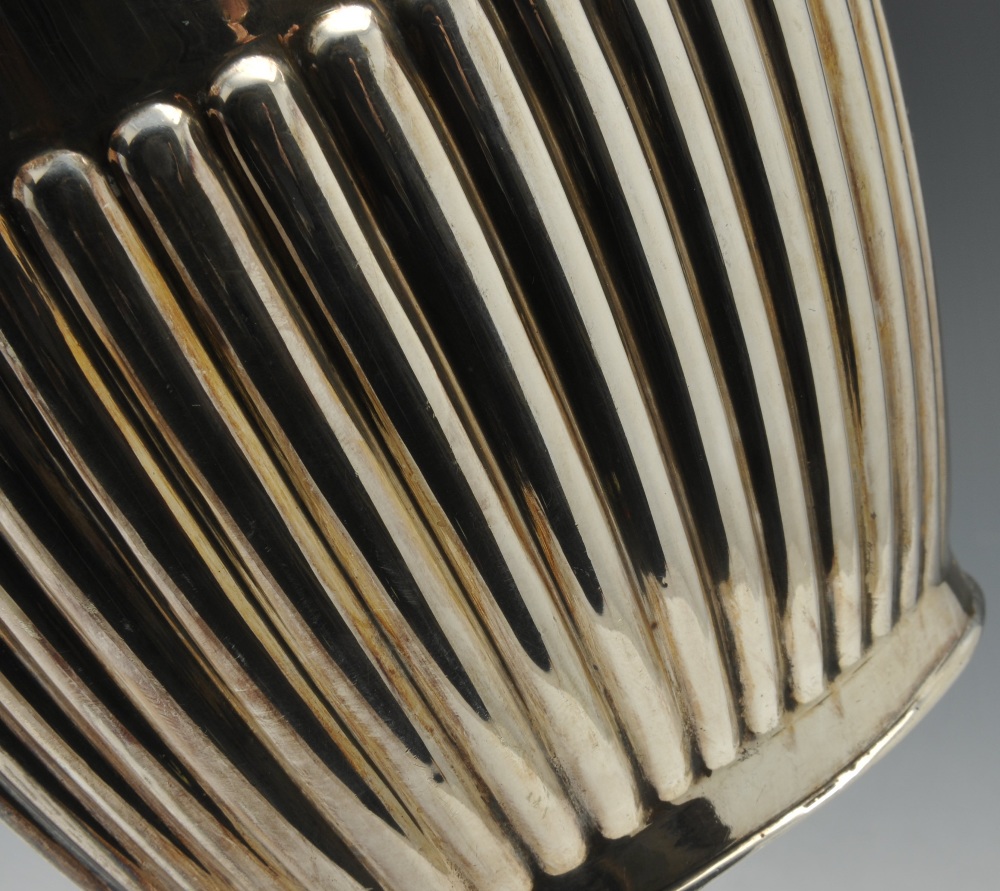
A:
(466, 445)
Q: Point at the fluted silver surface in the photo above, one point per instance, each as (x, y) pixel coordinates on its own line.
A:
(472, 445)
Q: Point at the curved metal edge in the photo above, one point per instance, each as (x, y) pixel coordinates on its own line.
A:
(840, 736)
(781, 777)
(943, 672)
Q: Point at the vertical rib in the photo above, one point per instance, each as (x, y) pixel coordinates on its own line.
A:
(354, 59)
(286, 150)
(104, 861)
(372, 723)
(788, 198)
(859, 140)
(871, 380)
(193, 379)
(876, 58)
(170, 867)
(473, 58)
(678, 83)
(241, 801)
(938, 556)
(331, 795)
(250, 702)
(297, 370)
(140, 281)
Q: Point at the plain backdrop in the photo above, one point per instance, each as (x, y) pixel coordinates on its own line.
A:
(927, 817)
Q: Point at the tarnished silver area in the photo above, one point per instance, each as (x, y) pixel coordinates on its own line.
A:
(456, 444)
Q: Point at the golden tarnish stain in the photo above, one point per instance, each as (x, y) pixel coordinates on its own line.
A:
(234, 12)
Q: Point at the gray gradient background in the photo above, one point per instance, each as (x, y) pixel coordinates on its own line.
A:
(928, 816)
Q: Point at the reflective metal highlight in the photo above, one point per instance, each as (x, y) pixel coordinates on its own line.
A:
(465, 445)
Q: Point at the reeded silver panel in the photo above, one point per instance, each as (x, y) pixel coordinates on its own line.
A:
(463, 445)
